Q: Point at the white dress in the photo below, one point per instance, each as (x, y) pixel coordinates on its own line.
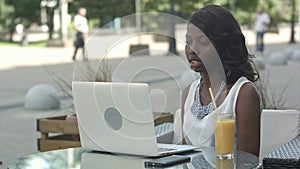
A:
(200, 132)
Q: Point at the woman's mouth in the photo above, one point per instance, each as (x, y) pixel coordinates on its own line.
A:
(194, 61)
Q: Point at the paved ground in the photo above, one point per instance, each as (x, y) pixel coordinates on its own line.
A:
(22, 68)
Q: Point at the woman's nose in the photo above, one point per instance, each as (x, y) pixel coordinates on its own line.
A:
(190, 50)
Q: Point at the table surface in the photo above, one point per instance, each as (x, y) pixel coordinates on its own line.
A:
(201, 158)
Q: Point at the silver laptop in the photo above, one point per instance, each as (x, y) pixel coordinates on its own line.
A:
(118, 118)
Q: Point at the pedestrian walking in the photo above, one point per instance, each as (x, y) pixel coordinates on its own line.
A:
(81, 26)
(261, 25)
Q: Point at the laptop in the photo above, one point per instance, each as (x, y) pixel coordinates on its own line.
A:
(118, 118)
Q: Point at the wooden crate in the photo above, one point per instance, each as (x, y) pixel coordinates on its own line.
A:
(164, 117)
(57, 133)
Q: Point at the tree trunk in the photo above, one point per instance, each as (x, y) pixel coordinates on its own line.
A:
(50, 12)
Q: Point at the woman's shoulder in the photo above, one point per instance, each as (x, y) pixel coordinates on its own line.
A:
(249, 94)
(246, 86)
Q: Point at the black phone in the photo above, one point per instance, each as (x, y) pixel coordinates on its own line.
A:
(167, 161)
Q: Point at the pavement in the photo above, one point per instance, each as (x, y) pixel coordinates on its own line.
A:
(24, 67)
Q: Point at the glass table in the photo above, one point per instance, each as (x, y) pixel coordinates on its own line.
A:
(83, 159)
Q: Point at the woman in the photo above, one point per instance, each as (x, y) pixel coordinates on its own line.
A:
(215, 48)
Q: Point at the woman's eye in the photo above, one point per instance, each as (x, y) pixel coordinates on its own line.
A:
(204, 42)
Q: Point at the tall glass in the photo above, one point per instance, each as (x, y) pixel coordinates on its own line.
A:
(224, 135)
(225, 164)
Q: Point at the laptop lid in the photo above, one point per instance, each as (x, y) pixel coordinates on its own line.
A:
(115, 117)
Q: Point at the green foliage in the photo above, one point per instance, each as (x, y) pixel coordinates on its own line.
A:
(94, 23)
(244, 17)
(13, 12)
(6, 17)
(40, 44)
(246, 5)
(279, 10)
(104, 10)
(101, 12)
(25, 11)
(243, 8)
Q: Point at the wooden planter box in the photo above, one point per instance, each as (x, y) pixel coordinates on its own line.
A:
(139, 50)
(57, 133)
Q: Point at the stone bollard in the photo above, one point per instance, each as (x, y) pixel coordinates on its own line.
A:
(278, 58)
(259, 62)
(295, 55)
(42, 97)
(288, 52)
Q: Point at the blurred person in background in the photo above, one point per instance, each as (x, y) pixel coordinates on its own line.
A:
(81, 27)
(261, 25)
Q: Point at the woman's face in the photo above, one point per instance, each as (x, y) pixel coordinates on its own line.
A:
(198, 49)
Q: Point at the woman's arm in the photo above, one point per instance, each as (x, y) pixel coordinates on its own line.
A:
(183, 99)
(248, 119)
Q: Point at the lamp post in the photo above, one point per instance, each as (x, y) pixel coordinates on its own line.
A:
(48, 14)
(172, 42)
(63, 8)
(138, 18)
(293, 22)
(232, 5)
(299, 18)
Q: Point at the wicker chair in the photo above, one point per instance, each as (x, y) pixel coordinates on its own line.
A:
(278, 127)
(286, 156)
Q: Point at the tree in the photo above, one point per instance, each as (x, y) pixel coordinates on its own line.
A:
(104, 10)
(24, 12)
(51, 6)
(6, 18)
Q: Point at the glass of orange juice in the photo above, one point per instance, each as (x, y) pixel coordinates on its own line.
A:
(224, 135)
(225, 164)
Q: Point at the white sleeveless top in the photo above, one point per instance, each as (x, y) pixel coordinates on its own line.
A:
(201, 131)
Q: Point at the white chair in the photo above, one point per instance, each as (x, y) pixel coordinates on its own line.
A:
(170, 133)
(277, 128)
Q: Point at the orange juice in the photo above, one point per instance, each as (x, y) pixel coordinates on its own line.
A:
(224, 136)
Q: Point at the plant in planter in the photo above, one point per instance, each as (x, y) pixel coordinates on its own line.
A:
(270, 99)
(102, 74)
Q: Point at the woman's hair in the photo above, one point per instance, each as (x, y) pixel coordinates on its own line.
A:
(225, 34)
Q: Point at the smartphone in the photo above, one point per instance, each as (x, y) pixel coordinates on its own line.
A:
(167, 161)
